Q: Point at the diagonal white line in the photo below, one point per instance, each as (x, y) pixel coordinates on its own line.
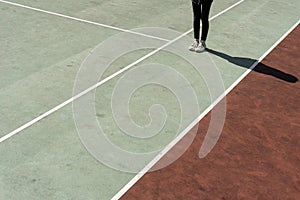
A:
(195, 121)
(155, 160)
(83, 20)
(227, 9)
(49, 112)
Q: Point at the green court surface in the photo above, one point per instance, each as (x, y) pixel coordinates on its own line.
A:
(41, 54)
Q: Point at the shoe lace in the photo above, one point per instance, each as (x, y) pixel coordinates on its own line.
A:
(200, 45)
(195, 44)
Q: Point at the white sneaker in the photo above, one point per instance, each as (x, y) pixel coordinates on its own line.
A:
(194, 45)
(201, 47)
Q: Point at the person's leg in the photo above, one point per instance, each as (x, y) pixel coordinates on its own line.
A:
(205, 8)
(205, 4)
(197, 17)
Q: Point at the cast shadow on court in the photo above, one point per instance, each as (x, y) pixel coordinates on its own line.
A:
(260, 68)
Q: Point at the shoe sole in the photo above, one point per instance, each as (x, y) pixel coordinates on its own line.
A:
(200, 51)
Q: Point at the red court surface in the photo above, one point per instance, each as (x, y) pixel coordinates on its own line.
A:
(257, 155)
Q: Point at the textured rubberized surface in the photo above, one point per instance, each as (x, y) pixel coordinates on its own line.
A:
(42, 50)
(257, 156)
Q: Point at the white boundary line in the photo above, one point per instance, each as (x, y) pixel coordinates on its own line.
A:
(37, 119)
(184, 132)
(207, 110)
(83, 20)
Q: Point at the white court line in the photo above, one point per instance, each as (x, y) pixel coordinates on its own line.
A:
(37, 119)
(187, 129)
(83, 20)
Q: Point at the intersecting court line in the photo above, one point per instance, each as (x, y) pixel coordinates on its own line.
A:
(196, 121)
(56, 108)
(83, 20)
(180, 136)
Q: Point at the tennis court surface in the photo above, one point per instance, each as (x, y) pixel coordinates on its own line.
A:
(102, 100)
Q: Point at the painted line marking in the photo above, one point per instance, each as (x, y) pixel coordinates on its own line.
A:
(37, 119)
(83, 20)
(198, 119)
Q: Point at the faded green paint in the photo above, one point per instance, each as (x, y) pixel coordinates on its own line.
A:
(40, 55)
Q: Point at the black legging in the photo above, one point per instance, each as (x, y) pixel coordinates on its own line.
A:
(201, 12)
